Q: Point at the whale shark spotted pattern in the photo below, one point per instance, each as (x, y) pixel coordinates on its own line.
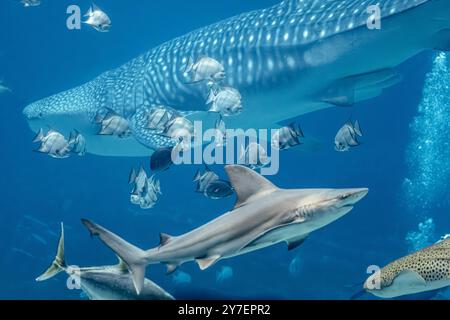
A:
(263, 52)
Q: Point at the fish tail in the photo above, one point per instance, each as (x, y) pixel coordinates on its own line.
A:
(134, 258)
(59, 263)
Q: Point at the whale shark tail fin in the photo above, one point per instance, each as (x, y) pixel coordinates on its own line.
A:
(59, 263)
(132, 256)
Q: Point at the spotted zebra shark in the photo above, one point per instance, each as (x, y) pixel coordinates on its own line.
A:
(293, 58)
(425, 270)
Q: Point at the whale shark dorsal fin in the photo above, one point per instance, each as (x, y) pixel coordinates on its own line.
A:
(205, 263)
(247, 183)
(410, 279)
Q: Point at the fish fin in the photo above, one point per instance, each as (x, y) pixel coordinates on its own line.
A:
(296, 242)
(358, 294)
(171, 268)
(133, 257)
(59, 263)
(247, 183)
(132, 176)
(95, 7)
(345, 92)
(122, 266)
(40, 136)
(211, 97)
(164, 239)
(205, 263)
(409, 278)
(441, 40)
(197, 176)
(357, 129)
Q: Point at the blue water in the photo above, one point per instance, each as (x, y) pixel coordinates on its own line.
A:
(40, 57)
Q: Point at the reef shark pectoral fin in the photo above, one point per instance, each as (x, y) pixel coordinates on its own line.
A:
(296, 242)
(247, 184)
(132, 256)
(347, 91)
(408, 278)
(205, 263)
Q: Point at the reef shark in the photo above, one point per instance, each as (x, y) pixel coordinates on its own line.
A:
(105, 282)
(264, 215)
(296, 57)
(425, 270)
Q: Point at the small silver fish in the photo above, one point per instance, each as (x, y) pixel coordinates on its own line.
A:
(150, 193)
(114, 125)
(158, 118)
(226, 101)
(98, 19)
(179, 128)
(30, 3)
(287, 137)
(53, 143)
(77, 143)
(221, 133)
(254, 156)
(347, 137)
(139, 180)
(204, 179)
(205, 69)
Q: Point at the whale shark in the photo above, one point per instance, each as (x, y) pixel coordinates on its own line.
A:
(264, 215)
(296, 57)
(103, 282)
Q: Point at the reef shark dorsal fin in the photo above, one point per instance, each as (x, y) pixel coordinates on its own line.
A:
(409, 278)
(247, 183)
(205, 263)
(164, 239)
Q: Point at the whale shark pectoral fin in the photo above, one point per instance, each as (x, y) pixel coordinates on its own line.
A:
(441, 40)
(205, 263)
(408, 278)
(347, 91)
(296, 242)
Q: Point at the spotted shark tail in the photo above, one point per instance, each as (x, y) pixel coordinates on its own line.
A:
(58, 265)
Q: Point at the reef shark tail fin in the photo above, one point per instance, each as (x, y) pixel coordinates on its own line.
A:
(59, 263)
(131, 255)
